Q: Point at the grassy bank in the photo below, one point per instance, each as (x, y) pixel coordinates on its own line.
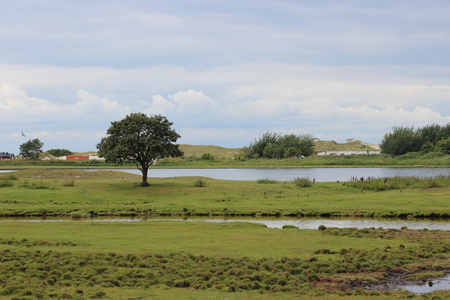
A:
(173, 260)
(76, 193)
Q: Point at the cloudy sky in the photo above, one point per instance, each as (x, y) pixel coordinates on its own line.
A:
(224, 72)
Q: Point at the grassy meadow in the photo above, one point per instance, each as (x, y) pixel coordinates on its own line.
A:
(84, 258)
(77, 193)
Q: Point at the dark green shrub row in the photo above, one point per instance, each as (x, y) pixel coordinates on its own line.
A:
(27, 243)
(424, 140)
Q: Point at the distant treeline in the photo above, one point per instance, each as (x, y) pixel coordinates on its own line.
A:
(431, 138)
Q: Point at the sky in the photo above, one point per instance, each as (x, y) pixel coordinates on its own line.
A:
(223, 72)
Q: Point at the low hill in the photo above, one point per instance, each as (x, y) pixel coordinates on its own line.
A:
(350, 146)
(222, 152)
(216, 151)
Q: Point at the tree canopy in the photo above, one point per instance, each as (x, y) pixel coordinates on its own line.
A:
(425, 139)
(31, 149)
(141, 139)
(59, 152)
(276, 145)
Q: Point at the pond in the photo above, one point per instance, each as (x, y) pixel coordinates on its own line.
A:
(428, 286)
(288, 174)
(301, 223)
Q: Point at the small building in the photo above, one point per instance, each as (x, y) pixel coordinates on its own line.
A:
(77, 157)
(6, 155)
(366, 152)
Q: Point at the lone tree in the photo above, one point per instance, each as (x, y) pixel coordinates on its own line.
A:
(31, 149)
(141, 139)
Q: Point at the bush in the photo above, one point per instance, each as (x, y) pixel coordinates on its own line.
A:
(266, 181)
(5, 182)
(200, 183)
(207, 156)
(302, 182)
(69, 182)
(275, 145)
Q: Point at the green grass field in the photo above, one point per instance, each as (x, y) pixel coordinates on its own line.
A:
(38, 192)
(165, 259)
(90, 259)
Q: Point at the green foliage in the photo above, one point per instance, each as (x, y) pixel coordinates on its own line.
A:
(427, 148)
(443, 146)
(302, 182)
(398, 182)
(69, 182)
(424, 140)
(141, 139)
(4, 182)
(401, 141)
(266, 181)
(200, 183)
(7, 180)
(31, 149)
(274, 145)
(59, 152)
(207, 156)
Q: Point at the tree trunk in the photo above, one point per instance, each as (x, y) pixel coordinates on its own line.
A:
(144, 176)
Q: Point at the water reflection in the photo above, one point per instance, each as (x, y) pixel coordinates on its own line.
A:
(429, 286)
(314, 223)
(288, 174)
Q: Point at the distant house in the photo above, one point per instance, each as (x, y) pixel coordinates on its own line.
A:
(6, 155)
(77, 157)
(366, 152)
(81, 157)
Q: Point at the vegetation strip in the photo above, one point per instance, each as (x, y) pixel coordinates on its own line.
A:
(345, 271)
(79, 194)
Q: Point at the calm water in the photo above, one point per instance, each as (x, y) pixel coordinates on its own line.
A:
(288, 174)
(442, 283)
(302, 223)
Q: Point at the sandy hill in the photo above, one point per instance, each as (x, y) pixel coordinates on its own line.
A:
(222, 152)
(217, 151)
(349, 146)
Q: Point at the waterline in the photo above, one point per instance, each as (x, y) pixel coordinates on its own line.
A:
(301, 223)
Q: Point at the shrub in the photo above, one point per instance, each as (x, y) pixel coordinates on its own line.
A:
(200, 183)
(302, 182)
(5, 183)
(207, 156)
(266, 181)
(69, 182)
(289, 227)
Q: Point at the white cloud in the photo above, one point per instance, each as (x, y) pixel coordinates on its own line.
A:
(17, 106)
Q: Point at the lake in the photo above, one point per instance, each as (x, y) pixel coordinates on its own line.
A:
(301, 223)
(288, 174)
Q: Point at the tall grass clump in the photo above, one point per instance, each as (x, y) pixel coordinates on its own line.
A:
(6, 180)
(9, 177)
(68, 182)
(398, 182)
(266, 181)
(302, 182)
(200, 183)
(39, 185)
